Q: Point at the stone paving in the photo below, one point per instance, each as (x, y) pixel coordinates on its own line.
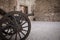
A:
(44, 31)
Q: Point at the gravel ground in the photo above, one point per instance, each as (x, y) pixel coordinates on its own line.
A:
(44, 31)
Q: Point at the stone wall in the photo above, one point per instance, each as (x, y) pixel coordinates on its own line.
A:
(44, 10)
(7, 5)
(47, 10)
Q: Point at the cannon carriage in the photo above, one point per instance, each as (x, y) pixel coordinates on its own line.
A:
(14, 25)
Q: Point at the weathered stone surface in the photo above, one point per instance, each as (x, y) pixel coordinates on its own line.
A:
(7, 5)
(44, 10)
(47, 10)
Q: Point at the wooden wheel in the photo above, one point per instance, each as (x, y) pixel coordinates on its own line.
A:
(17, 27)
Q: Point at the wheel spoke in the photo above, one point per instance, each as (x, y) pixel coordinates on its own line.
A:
(11, 32)
(24, 23)
(16, 37)
(21, 21)
(24, 30)
(24, 26)
(22, 33)
(20, 18)
(10, 37)
(19, 35)
(11, 20)
(8, 30)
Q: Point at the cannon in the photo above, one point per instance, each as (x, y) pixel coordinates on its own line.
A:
(14, 25)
